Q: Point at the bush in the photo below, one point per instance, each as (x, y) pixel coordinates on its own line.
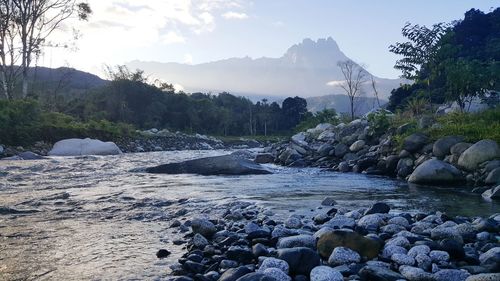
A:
(324, 116)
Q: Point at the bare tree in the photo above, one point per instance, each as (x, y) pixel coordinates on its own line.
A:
(374, 87)
(9, 56)
(354, 76)
(29, 24)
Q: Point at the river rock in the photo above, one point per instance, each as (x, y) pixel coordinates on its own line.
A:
(199, 241)
(379, 273)
(435, 171)
(325, 149)
(301, 260)
(300, 139)
(277, 274)
(240, 254)
(478, 153)
(378, 208)
(256, 276)
(415, 142)
(328, 201)
(233, 274)
(264, 158)
(357, 146)
(493, 193)
(415, 274)
(77, 147)
(484, 277)
(364, 246)
(325, 273)
(371, 221)
(340, 221)
(493, 177)
(217, 165)
(342, 255)
(451, 275)
(341, 150)
(203, 227)
(459, 148)
(327, 136)
(492, 256)
(442, 146)
(274, 263)
(302, 240)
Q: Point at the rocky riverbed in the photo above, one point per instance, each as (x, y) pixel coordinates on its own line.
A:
(360, 148)
(373, 243)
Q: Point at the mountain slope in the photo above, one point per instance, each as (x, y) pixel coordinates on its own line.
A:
(306, 69)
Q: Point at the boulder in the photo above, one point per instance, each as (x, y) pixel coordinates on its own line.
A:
(217, 165)
(442, 146)
(77, 147)
(493, 193)
(203, 227)
(478, 153)
(325, 149)
(329, 240)
(264, 158)
(341, 150)
(415, 142)
(435, 171)
(493, 177)
(327, 136)
(357, 146)
(459, 148)
(300, 139)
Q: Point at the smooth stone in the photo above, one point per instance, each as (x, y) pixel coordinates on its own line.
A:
(478, 153)
(364, 246)
(414, 142)
(435, 171)
(378, 208)
(342, 255)
(274, 263)
(415, 274)
(371, 221)
(203, 227)
(277, 274)
(325, 273)
(255, 276)
(451, 275)
(390, 250)
(240, 254)
(491, 256)
(259, 250)
(442, 146)
(402, 259)
(233, 274)
(439, 257)
(340, 221)
(493, 177)
(484, 277)
(199, 241)
(162, 253)
(328, 201)
(377, 273)
(77, 147)
(297, 241)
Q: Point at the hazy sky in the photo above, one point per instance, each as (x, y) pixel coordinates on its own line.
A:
(198, 31)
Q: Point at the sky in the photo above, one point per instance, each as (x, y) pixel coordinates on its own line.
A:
(200, 31)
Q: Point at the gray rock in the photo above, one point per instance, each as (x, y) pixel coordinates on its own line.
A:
(342, 255)
(274, 263)
(478, 153)
(255, 276)
(199, 241)
(325, 149)
(442, 147)
(493, 193)
(492, 165)
(435, 171)
(484, 277)
(340, 221)
(325, 273)
(415, 274)
(341, 150)
(357, 146)
(328, 201)
(399, 221)
(277, 274)
(451, 275)
(371, 272)
(439, 233)
(217, 165)
(344, 167)
(371, 221)
(493, 177)
(392, 228)
(203, 227)
(491, 256)
(378, 208)
(459, 148)
(402, 259)
(399, 241)
(390, 250)
(440, 257)
(424, 262)
(419, 250)
(301, 260)
(293, 222)
(264, 158)
(302, 240)
(225, 264)
(234, 273)
(415, 142)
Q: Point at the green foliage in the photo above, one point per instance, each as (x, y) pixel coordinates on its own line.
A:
(379, 122)
(22, 122)
(416, 106)
(324, 116)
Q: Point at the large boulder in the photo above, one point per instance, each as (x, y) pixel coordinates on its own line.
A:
(415, 142)
(442, 146)
(435, 171)
(478, 153)
(364, 246)
(77, 147)
(493, 177)
(301, 260)
(217, 165)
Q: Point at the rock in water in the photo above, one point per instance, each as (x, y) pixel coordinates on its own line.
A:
(493, 193)
(435, 171)
(364, 246)
(162, 253)
(478, 153)
(77, 147)
(218, 165)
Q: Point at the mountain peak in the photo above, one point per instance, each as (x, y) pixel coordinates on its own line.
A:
(322, 51)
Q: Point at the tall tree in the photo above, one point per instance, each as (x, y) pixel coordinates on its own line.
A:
(354, 77)
(29, 24)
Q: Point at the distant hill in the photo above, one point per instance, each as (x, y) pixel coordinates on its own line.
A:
(341, 103)
(307, 69)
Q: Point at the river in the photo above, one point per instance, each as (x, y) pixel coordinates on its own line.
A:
(97, 218)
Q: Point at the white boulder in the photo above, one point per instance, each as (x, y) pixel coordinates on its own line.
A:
(77, 147)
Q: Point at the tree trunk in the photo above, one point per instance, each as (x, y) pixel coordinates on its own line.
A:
(5, 87)
(352, 109)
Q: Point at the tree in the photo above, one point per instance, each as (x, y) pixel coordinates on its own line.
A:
(28, 25)
(354, 76)
(8, 55)
(375, 91)
(419, 50)
(294, 111)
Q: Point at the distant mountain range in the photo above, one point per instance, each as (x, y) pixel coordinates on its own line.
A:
(308, 69)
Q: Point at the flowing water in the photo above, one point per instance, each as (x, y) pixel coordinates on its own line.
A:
(96, 218)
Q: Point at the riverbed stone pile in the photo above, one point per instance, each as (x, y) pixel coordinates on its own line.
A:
(381, 244)
(356, 147)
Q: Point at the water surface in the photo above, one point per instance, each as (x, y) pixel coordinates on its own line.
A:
(92, 218)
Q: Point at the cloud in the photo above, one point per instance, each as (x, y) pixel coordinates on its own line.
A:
(173, 37)
(188, 59)
(335, 83)
(235, 15)
(278, 23)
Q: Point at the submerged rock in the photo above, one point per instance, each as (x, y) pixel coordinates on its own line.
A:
(217, 165)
